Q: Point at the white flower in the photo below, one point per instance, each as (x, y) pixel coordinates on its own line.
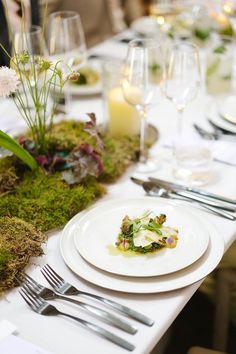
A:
(9, 81)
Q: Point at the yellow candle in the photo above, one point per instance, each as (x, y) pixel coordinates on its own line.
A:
(123, 118)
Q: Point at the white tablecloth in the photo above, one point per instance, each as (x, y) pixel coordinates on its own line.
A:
(61, 336)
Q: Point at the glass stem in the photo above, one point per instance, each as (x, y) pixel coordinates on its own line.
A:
(179, 132)
(143, 119)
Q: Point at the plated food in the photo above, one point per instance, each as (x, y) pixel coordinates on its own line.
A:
(96, 234)
(146, 234)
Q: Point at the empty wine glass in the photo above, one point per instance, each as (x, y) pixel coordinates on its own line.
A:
(140, 84)
(181, 84)
(28, 46)
(66, 42)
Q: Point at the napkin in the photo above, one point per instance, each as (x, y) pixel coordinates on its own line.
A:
(12, 344)
(224, 151)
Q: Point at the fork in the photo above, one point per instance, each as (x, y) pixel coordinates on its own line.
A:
(48, 294)
(63, 287)
(39, 305)
(215, 135)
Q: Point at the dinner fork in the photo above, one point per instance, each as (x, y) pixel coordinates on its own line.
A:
(48, 294)
(39, 305)
(63, 287)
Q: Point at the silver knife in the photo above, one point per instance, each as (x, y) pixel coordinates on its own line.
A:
(153, 189)
(202, 192)
(205, 197)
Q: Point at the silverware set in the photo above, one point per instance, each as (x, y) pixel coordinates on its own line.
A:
(35, 295)
(217, 204)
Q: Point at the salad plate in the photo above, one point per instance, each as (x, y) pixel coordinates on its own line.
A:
(97, 231)
(142, 285)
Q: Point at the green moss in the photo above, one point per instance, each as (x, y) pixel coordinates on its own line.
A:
(19, 241)
(46, 201)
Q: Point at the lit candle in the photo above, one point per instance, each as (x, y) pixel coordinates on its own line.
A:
(123, 118)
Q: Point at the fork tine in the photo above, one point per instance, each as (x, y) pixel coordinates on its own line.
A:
(36, 298)
(27, 298)
(23, 277)
(49, 278)
(54, 278)
(52, 271)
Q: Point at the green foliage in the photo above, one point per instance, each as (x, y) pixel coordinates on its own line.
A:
(10, 144)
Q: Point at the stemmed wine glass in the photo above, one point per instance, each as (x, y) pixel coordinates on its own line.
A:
(181, 84)
(28, 47)
(140, 85)
(66, 42)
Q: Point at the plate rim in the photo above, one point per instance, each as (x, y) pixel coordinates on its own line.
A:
(130, 273)
(187, 276)
(212, 114)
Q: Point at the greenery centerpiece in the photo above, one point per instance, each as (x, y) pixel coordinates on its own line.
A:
(55, 170)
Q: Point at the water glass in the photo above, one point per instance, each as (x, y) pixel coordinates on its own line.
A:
(181, 84)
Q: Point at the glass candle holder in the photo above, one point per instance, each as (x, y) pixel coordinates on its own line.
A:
(121, 118)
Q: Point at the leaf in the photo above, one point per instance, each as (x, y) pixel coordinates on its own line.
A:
(10, 144)
(91, 128)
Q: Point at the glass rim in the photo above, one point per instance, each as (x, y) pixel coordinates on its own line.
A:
(70, 14)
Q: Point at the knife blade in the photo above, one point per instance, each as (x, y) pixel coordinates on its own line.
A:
(176, 186)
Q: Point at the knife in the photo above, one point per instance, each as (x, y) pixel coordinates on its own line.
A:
(208, 198)
(153, 189)
(202, 192)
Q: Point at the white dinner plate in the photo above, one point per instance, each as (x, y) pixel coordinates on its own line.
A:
(86, 90)
(98, 229)
(214, 116)
(145, 26)
(187, 276)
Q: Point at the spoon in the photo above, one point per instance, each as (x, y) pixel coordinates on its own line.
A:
(153, 190)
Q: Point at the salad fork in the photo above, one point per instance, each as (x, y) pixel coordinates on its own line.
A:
(63, 287)
(48, 294)
(39, 305)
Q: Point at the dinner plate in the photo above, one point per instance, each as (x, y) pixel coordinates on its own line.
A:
(146, 285)
(214, 117)
(228, 109)
(145, 26)
(98, 229)
(86, 90)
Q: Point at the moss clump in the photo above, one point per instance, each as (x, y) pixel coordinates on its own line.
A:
(46, 201)
(19, 241)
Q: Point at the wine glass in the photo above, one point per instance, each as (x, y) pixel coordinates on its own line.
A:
(66, 42)
(140, 85)
(181, 84)
(28, 46)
